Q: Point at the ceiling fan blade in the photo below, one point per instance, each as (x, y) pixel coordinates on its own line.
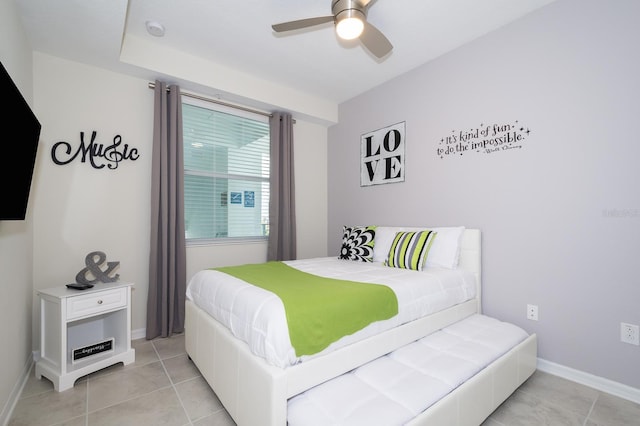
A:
(375, 41)
(301, 23)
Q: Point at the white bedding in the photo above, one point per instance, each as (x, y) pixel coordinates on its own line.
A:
(257, 316)
(395, 388)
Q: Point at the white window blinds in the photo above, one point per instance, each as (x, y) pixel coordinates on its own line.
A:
(226, 166)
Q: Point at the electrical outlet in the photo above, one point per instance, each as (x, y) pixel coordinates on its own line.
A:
(630, 333)
(532, 312)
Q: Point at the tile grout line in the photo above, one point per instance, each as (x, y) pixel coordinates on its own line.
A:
(591, 409)
(173, 386)
(88, 379)
(86, 411)
(560, 406)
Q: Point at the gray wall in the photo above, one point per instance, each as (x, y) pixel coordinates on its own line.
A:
(561, 215)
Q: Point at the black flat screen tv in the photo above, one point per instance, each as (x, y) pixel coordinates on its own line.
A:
(19, 136)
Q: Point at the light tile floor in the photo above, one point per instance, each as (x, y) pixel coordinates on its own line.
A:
(163, 387)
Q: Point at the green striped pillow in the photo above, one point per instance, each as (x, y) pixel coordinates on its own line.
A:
(409, 249)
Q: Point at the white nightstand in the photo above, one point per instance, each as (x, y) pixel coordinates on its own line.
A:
(73, 320)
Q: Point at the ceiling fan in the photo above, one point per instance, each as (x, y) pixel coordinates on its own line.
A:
(350, 19)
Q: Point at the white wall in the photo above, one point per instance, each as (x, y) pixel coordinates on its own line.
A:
(560, 216)
(79, 209)
(15, 236)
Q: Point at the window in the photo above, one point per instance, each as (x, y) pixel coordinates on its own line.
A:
(226, 172)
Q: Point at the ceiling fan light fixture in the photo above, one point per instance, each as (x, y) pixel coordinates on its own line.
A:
(349, 18)
(349, 28)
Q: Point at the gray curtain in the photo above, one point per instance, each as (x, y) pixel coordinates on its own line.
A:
(167, 260)
(282, 214)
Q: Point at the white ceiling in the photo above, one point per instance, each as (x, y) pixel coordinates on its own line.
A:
(237, 34)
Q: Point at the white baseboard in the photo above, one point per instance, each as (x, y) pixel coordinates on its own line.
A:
(10, 405)
(140, 333)
(587, 379)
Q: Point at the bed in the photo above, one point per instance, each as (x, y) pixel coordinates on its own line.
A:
(255, 389)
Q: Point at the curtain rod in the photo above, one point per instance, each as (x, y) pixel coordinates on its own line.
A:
(219, 102)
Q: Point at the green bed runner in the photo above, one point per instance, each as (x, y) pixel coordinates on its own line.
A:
(319, 310)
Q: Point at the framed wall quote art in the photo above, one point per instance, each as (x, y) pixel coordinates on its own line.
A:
(382, 155)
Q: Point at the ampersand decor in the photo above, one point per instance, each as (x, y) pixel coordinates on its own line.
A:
(94, 261)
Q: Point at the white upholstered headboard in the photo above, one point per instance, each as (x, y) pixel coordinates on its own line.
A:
(471, 258)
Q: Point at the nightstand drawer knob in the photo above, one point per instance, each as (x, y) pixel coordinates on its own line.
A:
(99, 302)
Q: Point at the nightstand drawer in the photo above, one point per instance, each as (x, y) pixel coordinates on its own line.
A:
(95, 303)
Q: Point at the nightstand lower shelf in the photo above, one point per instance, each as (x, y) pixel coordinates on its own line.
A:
(62, 382)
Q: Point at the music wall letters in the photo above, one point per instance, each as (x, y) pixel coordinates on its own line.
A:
(99, 155)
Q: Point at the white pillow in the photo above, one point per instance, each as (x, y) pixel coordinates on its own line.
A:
(444, 252)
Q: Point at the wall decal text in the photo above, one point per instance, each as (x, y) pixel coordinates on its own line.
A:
(484, 139)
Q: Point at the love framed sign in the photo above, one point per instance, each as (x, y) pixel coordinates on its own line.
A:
(382, 155)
